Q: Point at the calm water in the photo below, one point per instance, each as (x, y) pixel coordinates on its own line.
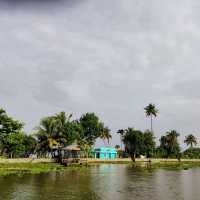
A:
(104, 182)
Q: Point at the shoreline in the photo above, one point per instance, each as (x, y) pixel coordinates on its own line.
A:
(93, 161)
(38, 166)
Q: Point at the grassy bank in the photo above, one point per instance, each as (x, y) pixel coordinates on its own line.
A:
(152, 160)
(27, 166)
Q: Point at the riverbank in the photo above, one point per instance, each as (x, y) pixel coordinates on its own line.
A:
(37, 166)
(93, 161)
(29, 168)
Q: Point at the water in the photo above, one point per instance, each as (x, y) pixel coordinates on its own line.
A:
(104, 182)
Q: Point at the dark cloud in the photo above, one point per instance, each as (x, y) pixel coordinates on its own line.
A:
(110, 57)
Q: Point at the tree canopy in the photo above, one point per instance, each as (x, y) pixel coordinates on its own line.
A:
(190, 140)
(169, 145)
(138, 143)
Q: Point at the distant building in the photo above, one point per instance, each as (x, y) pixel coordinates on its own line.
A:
(105, 153)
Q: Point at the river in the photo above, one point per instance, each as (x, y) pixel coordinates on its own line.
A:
(104, 182)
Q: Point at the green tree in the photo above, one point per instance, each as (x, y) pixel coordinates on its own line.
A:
(30, 144)
(151, 111)
(169, 145)
(8, 128)
(90, 128)
(67, 129)
(133, 140)
(106, 135)
(14, 145)
(46, 134)
(190, 140)
(121, 133)
(56, 131)
(149, 143)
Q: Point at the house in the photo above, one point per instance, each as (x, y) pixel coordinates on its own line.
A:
(105, 153)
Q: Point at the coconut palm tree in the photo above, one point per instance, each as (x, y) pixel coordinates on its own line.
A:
(133, 140)
(106, 135)
(172, 137)
(46, 134)
(151, 111)
(121, 132)
(190, 140)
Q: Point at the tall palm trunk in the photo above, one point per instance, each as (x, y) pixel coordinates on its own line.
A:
(151, 123)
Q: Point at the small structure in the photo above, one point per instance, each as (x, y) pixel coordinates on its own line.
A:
(70, 154)
(105, 153)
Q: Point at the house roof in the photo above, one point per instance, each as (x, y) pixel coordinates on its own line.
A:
(72, 147)
(105, 150)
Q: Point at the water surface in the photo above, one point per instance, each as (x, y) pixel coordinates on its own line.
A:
(104, 182)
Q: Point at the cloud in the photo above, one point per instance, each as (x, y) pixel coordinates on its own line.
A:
(110, 57)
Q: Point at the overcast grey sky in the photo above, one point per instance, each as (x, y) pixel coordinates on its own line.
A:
(111, 57)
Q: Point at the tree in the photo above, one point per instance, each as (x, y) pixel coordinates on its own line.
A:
(121, 133)
(8, 128)
(190, 140)
(133, 140)
(151, 111)
(56, 131)
(169, 145)
(67, 129)
(46, 134)
(192, 153)
(106, 135)
(90, 128)
(149, 143)
(14, 145)
(30, 144)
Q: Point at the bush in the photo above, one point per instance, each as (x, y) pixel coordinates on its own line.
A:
(192, 153)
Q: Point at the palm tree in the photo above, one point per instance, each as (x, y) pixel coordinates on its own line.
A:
(172, 137)
(106, 135)
(46, 134)
(63, 124)
(121, 132)
(151, 111)
(133, 140)
(190, 140)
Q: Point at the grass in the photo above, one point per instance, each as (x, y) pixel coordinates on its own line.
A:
(166, 165)
(29, 168)
(37, 168)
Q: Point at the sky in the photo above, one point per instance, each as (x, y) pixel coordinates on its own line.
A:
(111, 57)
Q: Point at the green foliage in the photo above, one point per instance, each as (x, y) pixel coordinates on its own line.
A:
(11, 136)
(106, 134)
(137, 143)
(30, 144)
(151, 111)
(169, 146)
(56, 131)
(91, 128)
(149, 144)
(192, 153)
(190, 140)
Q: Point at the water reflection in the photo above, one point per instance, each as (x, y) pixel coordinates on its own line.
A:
(119, 182)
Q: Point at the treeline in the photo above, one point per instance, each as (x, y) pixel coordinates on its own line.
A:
(139, 143)
(53, 132)
(61, 129)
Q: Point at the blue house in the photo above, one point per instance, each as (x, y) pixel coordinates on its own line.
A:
(105, 153)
